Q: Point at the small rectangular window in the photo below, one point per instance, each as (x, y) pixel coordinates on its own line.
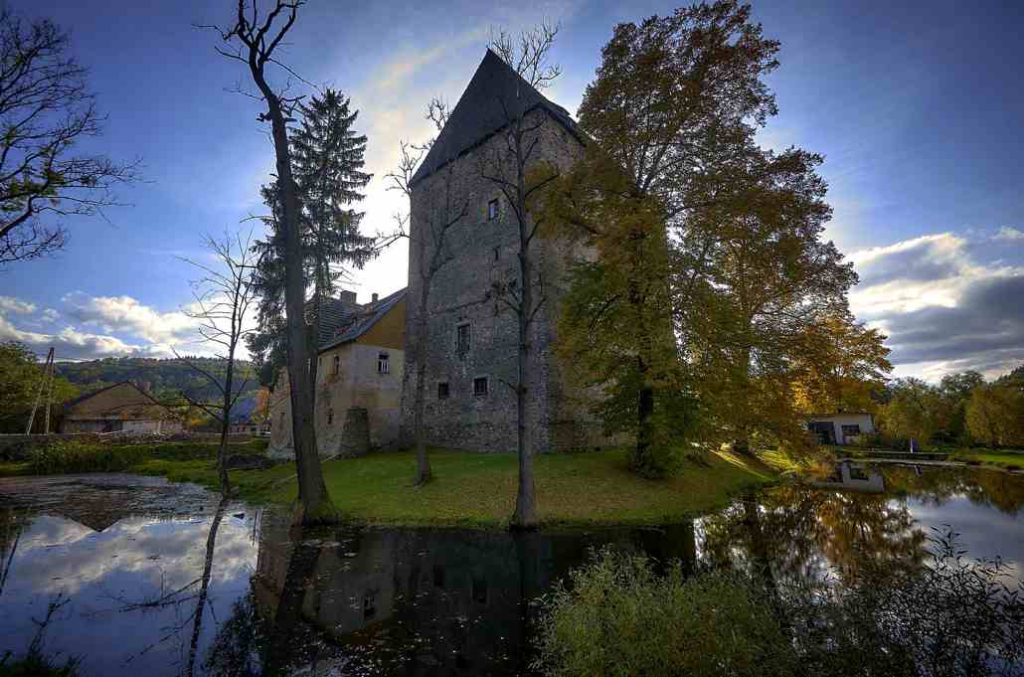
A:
(336, 368)
(330, 416)
(442, 390)
(492, 210)
(480, 386)
(383, 366)
(497, 253)
(462, 339)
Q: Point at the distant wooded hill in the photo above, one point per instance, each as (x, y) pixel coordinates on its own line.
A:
(165, 379)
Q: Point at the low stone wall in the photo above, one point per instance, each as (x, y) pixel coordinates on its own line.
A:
(18, 447)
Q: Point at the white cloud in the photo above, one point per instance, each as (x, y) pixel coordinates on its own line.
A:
(1009, 234)
(125, 314)
(72, 344)
(10, 304)
(102, 326)
(943, 308)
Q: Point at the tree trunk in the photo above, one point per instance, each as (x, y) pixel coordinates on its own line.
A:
(423, 472)
(642, 461)
(204, 586)
(741, 445)
(225, 424)
(525, 516)
(290, 632)
(315, 505)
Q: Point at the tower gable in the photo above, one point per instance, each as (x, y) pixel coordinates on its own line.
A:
(495, 94)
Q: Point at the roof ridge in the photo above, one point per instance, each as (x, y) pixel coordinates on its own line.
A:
(133, 384)
(362, 321)
(483, 109)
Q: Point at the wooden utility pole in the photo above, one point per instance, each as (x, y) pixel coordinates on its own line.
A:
(49, 392)
(47, 374)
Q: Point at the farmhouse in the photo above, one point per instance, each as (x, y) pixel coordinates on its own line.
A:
(358, 379)
(472, 336)
(121, 408)
(840, 428)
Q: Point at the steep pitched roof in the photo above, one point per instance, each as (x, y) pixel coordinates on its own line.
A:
(494, 94)
(361, 321)
(334, 314)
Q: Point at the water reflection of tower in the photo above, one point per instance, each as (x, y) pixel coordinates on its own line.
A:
(429, 601)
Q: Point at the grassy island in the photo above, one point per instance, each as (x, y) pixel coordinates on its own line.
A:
(591, 488)
(469, 489)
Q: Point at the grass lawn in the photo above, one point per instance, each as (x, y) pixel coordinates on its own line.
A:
(478, 490)
(999, 458)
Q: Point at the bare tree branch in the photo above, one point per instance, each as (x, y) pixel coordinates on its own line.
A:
(45, 111)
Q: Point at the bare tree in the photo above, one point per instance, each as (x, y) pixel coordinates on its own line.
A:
(429, 244)
(223, 297)
(516, 170)
(254, 39)
(45, 110)
(204, 587)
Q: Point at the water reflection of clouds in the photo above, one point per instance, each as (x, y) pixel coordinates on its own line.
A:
(133, 560)
(985, 533)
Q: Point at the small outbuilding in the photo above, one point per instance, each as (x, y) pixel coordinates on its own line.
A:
(840, 428)
(121, 408)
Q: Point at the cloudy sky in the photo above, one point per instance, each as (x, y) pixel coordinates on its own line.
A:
(917, 109)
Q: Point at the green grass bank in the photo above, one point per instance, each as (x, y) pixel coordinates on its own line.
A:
(478, 490)
(1006, 459)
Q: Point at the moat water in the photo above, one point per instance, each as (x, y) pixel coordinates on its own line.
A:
(122, 574)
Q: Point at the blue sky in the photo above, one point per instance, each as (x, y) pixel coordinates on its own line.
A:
(917, 108)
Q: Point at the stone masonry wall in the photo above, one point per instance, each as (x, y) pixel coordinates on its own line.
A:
(484, 252)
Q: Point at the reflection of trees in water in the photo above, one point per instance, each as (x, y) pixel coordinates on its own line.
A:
(204, 586)
(408, 601)
(235, 651)
(12, 523)
(190, 625)
(796, 533)
(992, 488)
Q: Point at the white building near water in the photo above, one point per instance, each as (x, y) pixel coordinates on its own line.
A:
(841, 428)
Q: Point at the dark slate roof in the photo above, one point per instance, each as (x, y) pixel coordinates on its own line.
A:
(365, 317)
(495, 93)
(335, 314)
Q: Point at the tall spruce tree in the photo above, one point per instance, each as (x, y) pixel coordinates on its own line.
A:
(327, 165)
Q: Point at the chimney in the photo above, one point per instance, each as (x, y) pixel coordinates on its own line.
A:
(347, 298)
(373, 297)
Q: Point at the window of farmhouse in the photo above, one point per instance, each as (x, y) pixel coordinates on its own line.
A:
(442, 390)
(462, 339)
(851, 430)
(330, 416)
(336, 368)
(492, 210)
(383, 366)
(480, 386)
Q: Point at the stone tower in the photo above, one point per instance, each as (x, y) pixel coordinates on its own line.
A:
(472, 336)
